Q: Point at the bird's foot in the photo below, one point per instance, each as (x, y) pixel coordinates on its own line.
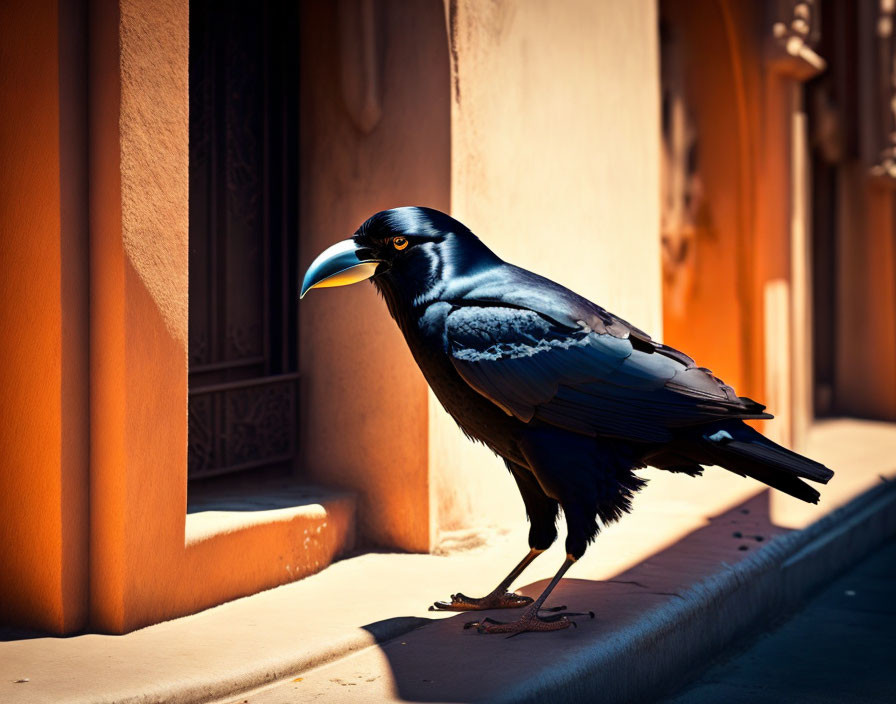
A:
(529, 621)
(460, 602)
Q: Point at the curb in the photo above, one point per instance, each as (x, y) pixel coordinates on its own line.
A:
(644, 660)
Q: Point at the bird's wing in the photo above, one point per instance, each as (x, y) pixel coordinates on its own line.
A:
(571, 375)
(515, 287)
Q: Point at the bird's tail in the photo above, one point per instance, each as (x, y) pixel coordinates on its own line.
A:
(742, 450)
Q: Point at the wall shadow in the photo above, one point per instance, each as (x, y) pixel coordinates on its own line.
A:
(251, 492)
(9, 634)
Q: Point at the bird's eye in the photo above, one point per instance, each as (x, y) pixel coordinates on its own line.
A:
(399, 242)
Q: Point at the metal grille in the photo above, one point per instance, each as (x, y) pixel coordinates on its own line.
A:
(243, 223)
(242, 425)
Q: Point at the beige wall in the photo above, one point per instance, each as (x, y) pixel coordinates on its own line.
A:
(554, 164)
(516, 179)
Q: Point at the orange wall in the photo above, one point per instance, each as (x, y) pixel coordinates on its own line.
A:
(720, 321)
(365, 413)
(43, 476)
(364, 401)
(119, 523)
(138, 368)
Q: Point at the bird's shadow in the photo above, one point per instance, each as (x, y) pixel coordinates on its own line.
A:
(440, 661)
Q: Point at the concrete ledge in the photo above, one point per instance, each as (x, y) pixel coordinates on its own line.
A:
(245, 506)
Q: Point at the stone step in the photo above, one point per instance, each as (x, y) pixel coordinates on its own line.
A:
(310, 525)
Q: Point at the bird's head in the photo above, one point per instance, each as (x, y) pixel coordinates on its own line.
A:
(410, 254)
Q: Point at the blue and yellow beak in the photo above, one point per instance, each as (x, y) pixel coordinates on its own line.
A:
(340, 265)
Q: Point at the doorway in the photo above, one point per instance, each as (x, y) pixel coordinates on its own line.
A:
(243, 356)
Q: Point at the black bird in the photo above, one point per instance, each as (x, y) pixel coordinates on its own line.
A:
(572, 397)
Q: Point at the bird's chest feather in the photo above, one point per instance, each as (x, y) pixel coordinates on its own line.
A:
(477, 416)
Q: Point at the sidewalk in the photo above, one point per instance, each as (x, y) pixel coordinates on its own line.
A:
(693, 566)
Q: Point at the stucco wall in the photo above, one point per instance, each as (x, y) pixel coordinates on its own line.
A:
(363, 414)
(138, 309)
(43, 438)
(98, 538)
(555, 153)
(144, 565)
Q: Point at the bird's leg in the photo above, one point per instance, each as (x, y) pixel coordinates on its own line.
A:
(500, 598)
(530, 620)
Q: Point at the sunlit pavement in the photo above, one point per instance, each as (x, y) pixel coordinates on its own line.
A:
(839, 649)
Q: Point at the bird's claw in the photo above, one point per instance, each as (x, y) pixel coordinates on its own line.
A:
(461, 602)
(524, 625)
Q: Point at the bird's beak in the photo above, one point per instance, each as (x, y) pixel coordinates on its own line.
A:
(340, 265)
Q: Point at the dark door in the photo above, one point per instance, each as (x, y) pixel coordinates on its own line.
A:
(243, 237)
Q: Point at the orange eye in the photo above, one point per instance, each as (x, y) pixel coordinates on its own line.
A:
(399, 242)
